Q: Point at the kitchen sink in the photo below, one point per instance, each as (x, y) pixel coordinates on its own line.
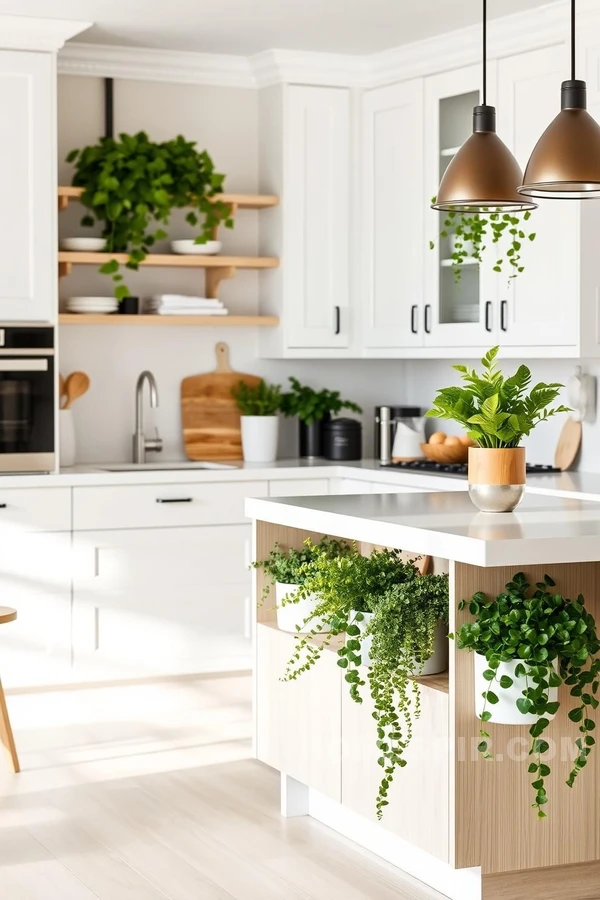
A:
(165, 466)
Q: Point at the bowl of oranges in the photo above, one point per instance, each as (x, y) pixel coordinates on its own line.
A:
(447, 448)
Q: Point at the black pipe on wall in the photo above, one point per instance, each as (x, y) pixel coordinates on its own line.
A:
(109, 112)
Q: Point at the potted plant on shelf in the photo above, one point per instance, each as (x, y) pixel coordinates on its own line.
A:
(131, 183)
(287, 571)
(527, 642)
(497, 413)
(313, 409)
(395, 623)
(258, 406)
(469, 235)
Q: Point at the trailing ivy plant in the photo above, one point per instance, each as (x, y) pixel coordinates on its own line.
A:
(260, 400)
(313, 406)
(556, 642)
(495, 410)
(291, 566)
(406, 607)
(130, 183)
(403, 628)
(478, 230)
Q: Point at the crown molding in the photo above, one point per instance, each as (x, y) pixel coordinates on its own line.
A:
(30, 33)
(507, 35)
(104, 61)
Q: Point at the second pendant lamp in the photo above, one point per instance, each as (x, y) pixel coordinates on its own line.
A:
(565, 163)
(484, 176)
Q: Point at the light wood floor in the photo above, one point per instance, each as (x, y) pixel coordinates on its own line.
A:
(148, 792)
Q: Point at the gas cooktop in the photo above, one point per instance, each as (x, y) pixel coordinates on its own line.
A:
(425, 465)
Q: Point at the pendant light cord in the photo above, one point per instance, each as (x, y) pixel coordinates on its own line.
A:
(485, 50)
(572, 40)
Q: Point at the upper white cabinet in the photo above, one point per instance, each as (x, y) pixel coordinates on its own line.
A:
(392, 216)
(306, 158)
(28, 210)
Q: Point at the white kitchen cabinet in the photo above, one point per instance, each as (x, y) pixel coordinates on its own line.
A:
(456, 313)
(162, 600)
(392, 244)
(349, 486)
(299, 487)
(541, 306)
(305, 157)
(28, 276)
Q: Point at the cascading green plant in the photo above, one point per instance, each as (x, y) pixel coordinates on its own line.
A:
(291, 566)
(496, 411)
(261, 400)
(130, 183)
(556, 642)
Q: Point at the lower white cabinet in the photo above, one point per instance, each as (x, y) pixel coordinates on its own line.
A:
(349, 486)
(35, 579)
(163, 600)
(306, 487)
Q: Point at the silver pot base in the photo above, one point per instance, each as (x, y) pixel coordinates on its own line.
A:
(496, 498)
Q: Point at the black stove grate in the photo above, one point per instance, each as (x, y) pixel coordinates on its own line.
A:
(426, 465)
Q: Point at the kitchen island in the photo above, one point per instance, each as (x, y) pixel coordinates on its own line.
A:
(457, 822)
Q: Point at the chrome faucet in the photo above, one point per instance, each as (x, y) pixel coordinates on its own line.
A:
(140, 442)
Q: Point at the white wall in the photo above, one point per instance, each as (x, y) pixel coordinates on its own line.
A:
(224, 121)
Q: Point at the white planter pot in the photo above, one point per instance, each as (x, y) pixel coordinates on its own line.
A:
(66, 434)
(259, 438)
(292, 616)
(437, 662)
(504, 712)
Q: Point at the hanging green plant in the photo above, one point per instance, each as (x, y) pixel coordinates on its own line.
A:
(553, 641)
(131, 183)
(291, 566)
(470, 235)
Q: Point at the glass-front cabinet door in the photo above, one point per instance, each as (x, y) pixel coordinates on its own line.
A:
(460, 301)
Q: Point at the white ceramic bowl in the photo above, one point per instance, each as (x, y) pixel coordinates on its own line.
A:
(83, 244)
(189, 248)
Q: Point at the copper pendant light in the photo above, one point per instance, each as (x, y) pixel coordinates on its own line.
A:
(565, 163)
(484, 176)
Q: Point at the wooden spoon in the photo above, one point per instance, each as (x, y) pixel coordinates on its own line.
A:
(76, 385)
(61, 390)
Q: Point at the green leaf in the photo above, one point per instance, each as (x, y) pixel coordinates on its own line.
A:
(486, 715)
(576, 715)
(489, 674)
(490, 697)
(506, 682)
(110, 267)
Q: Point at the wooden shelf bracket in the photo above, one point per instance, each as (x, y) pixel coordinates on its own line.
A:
(214, 277)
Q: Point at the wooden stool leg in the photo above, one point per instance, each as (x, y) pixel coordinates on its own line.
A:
(6, 734)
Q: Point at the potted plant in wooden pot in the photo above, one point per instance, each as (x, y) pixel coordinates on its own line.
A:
(287, 571)
(527, 643)
(497, 413)
(258, 406)
(314, 409)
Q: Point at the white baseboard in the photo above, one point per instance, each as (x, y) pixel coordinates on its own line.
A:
(456, 884)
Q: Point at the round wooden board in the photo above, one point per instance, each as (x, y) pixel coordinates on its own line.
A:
(7, 614)
(568, 445)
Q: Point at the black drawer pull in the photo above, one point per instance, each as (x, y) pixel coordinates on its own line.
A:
(413, 319)
(503, 316)
(3, 505)
(488, 311)
(174, 499)
(427, 320)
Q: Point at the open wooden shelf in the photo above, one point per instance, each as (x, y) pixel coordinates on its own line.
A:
(239, 201)
(171, 260)
(116, 319)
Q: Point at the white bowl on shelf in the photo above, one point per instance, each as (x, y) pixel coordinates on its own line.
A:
(83, 244)
(92, 305)
(189, 248)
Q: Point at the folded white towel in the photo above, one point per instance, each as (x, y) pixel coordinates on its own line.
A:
(182, 300)
(191, 312)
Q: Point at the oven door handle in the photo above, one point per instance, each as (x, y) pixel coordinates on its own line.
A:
(23, 365)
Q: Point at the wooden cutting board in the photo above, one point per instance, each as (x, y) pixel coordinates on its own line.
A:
(568, 444)
(209, 416)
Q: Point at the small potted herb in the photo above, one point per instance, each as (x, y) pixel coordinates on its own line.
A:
(313, 409)
(287, 571)
(497, 413)
(258, 406)
(527, 642)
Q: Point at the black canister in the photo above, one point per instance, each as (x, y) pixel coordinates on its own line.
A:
(342, 439)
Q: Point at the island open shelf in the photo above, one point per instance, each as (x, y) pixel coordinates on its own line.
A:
(461, 824)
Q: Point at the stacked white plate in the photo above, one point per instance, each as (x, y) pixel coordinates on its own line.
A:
(190, 248)
(83, 244)
(96, 305)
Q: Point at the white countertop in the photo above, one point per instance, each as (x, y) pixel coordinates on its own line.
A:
(541, 530)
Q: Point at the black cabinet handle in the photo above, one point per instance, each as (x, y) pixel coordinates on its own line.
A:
(503, 312)
(174, 499)
(413, 319)
(3, 505)
(337, 320)
(488, 313)
(427, 323)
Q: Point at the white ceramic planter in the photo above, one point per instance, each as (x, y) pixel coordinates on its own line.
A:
(66, 434)
(292, 616)
(504, 712)
(437, 662)
(259, 438)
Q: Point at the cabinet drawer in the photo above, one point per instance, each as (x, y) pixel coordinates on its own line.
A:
(163, 505)
(299, 487)
(35, 509)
